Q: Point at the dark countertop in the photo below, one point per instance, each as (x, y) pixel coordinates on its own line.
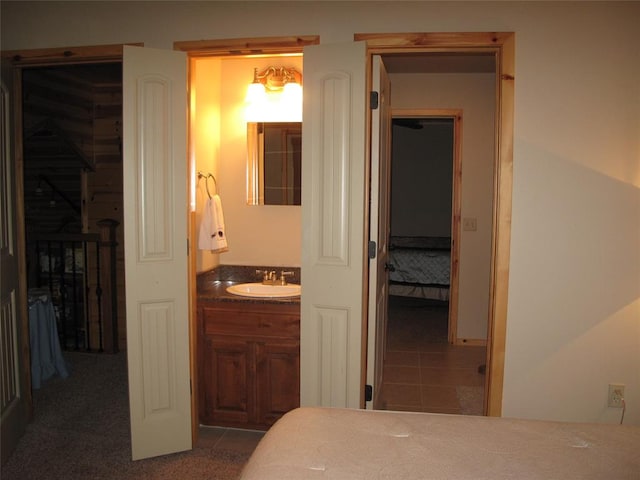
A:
(212, 285)
(216, 291)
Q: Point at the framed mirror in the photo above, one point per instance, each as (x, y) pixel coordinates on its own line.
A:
(274, 163)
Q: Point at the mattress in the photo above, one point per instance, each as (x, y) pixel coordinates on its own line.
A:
(413, 265)
(419, 291)
(325, 443)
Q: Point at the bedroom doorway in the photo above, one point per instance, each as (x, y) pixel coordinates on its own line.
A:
(424, 370)
(424, 156)
(425, 198)
(430, 363)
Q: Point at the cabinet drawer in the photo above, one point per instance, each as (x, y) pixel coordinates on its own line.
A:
(263, 320)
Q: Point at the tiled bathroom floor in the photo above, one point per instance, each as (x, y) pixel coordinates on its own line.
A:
(421, 371)
(237, 440)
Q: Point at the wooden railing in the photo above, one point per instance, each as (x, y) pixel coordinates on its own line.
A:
(79, 270)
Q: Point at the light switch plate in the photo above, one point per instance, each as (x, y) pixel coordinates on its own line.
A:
(470, 224)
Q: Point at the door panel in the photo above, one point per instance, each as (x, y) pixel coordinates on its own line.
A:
(155, 212)
(379, 227)
(15, 399)
(333, 218)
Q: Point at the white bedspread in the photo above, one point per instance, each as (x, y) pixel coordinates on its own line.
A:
(342, 444)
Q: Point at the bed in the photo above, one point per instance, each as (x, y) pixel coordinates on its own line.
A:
(326, 443)
(420, 267)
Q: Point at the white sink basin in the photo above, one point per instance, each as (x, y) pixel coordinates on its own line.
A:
(261, 290)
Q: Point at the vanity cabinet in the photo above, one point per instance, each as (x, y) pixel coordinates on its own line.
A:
(249, 368)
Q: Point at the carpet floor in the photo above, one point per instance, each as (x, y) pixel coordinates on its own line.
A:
(80, 430)
(471, 399)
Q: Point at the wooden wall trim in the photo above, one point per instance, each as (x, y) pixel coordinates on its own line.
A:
(503, 189)
(470, 342)
(66, 55)
(406, 41)
(246, 46)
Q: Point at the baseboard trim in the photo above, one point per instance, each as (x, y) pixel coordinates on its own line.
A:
(471, 342)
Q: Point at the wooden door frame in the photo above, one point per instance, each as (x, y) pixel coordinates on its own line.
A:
(20, 59)
(454, 114)
(502, 45)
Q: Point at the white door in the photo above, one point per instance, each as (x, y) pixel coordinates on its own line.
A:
(334, 210)
(379, 227)
(15, 401)
(156, 275)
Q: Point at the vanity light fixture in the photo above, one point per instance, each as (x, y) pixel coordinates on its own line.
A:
(276, 78)
(275, 95)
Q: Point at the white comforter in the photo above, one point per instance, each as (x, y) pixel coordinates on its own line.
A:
(343, 444)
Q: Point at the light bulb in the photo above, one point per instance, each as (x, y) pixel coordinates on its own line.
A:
(292, 101)
(255, 93)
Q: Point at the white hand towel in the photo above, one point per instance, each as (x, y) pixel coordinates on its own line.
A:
(212, 234)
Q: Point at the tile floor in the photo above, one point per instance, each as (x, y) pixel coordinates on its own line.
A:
(422, 372)
(237, 440)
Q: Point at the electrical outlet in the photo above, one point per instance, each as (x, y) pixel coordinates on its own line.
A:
(616, 395)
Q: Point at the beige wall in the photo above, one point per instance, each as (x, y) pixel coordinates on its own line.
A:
(574, 293)
(205, 120)
(474, 94)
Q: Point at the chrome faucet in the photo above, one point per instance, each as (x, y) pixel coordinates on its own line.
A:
(283, 277)
(269, 277)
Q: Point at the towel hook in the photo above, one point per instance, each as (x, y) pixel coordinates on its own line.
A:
(206, 182)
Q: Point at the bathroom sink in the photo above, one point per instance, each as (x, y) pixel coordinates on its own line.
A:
(260, 290)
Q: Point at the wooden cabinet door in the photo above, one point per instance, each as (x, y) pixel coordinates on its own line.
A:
(228, 377)
(249, 367)
(277, 379)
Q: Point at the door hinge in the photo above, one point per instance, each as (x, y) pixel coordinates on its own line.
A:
(187, 247)
(373, 100)
(372, 249)
(368, 393)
